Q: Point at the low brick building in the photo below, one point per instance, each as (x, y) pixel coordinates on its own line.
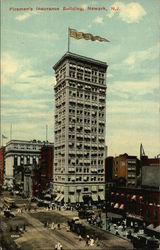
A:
(135, 202)
(134, 190)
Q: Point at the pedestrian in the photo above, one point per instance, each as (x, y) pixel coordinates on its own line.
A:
(80, 237)
(24, 227)
(117, 233)
(52, 226)
(129, 234)
(58, 225)
(89, 220)
(91, 241)
(58, 246)
(17, 228)
(87, 240)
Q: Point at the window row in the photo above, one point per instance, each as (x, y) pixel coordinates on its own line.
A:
(86, 178)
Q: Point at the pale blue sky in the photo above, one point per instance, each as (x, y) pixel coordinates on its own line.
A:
(33, 41)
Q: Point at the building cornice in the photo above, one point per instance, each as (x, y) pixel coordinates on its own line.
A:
(69, 55)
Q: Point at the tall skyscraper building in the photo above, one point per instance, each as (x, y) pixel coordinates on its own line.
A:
(79, 145)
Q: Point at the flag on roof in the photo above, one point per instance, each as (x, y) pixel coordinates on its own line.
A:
(87, 36)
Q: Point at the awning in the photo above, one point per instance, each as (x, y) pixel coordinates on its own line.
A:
(94, 197)
(153, 229)
(150, 226)
(57, 197)
(116, 205)
(71, 189)
(135, 217)
(60, 198)
(101, 196)
(113, 215)
(133, 197)
(46, 202)
(101, 187)
(80, 198)
(94, 188)
(72, 199)
(121, 206)
(47, 196)
(157, 229)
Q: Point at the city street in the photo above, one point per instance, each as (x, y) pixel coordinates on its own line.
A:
(37, 236)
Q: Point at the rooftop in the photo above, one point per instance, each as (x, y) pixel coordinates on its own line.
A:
(69, 55)
(34, 141)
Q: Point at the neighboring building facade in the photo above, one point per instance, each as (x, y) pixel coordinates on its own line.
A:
(150, 171)
(151, 176)
(46, 167)
(145, 161)
(125, 170)
(2, 151)
(109, 169)
(79, 150)
(18, 154)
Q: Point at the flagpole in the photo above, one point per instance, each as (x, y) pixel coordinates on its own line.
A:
(11, 132)
(46, 133)
(68, 40)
